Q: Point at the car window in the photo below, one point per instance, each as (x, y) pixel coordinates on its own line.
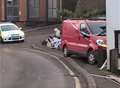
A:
(98, 28)
(8, 27)
(83, 28)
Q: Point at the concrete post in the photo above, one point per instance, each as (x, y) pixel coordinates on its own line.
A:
(60, 5)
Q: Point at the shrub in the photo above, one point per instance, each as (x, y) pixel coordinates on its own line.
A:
(65, 14)
(88, 13)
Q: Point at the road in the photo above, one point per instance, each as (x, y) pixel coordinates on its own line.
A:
(21, 66)
(25, 68)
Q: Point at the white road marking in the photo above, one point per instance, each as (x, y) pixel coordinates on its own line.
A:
(77, 82)
(107, 77)
(76, 79)
(100, 76)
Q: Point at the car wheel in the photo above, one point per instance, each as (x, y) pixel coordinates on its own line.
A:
(1, 40)
(66, 52)
(22, 40)
(91, 57)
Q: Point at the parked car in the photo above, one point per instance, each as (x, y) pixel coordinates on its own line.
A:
(10, 32)
(84, 37)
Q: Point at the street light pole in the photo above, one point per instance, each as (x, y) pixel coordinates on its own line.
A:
(60, 5)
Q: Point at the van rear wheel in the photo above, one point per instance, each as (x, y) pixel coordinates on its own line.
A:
(91, 57)
(66, 52)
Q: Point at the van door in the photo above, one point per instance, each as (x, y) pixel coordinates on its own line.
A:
(84, 39)
(70, 35)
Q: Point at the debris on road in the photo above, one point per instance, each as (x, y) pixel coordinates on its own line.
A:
(53, 41)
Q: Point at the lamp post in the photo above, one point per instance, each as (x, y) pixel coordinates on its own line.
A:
(60, 5)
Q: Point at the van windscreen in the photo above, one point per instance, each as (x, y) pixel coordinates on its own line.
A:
(98, 28)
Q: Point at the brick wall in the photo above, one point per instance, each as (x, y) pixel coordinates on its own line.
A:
(2, 10)
(43, 9)
(23, 10)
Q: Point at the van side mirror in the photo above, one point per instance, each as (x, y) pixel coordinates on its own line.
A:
(84, 31)
(85, 34)
(83, 26)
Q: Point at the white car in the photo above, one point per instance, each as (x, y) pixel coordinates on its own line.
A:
(10, 32)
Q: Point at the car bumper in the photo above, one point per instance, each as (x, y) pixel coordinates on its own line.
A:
(12, 40)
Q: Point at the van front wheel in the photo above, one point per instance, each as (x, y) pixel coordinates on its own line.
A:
(91, 57)
(66, 52)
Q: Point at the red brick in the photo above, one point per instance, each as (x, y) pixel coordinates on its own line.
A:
(2, 10)
(42, 8)
(23, 10)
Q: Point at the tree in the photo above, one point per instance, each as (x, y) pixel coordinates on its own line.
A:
(86, 8)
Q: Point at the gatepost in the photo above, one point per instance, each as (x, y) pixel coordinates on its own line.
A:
(113, 27)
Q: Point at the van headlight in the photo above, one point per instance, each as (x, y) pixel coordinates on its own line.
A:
(101, 43)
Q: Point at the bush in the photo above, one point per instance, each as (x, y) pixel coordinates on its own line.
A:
(88, 13)
(65, 14)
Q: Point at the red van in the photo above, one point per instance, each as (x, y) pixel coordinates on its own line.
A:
(83, 37)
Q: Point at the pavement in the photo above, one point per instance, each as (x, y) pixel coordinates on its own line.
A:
(30, 29)
(114, 77)
(93, 70)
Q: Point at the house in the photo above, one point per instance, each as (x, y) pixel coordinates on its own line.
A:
(29, 10)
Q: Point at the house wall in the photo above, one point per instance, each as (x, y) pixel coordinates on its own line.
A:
(2, 10)
(113, 24)
(23, 10)
(43, 9)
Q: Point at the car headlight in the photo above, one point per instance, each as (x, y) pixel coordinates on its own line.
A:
(101, 43)
(3, 35)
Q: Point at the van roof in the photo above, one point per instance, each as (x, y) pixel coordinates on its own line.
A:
(77, 21)
(92, 18)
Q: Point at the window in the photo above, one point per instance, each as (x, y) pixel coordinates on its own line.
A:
(12, 9)
(83, 28)
(8, 28)
(34, 10)
(52, 8)
(98, 28)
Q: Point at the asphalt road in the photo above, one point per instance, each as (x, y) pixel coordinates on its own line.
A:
(22, 67)
(100, 77)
